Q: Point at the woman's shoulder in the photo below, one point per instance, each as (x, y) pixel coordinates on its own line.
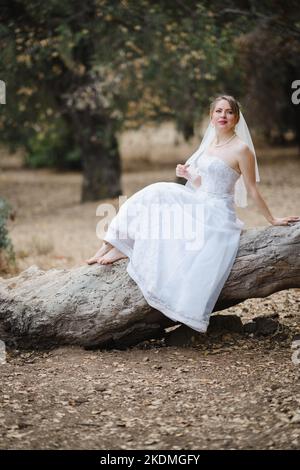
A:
(243, 152)
(242, 148)
(240, 144)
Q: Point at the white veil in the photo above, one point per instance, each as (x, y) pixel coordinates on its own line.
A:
(241, 129)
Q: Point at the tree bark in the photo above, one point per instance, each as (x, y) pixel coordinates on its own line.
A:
(101, 162)
(101, 306)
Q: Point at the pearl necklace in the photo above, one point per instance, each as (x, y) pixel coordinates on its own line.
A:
(224, 143)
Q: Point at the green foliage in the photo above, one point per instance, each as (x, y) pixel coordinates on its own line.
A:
(6, 247)
(152, 60)
(124, 62)
(53, 146)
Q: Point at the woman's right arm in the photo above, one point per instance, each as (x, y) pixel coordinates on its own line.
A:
(189, 173)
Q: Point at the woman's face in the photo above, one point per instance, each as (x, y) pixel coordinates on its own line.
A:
(222, 116)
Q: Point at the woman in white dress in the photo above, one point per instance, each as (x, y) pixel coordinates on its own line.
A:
(182, 240)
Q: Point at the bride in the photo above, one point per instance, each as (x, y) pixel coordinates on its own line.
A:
(183, 275)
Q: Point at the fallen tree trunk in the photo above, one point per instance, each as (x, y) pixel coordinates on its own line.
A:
(101, 306)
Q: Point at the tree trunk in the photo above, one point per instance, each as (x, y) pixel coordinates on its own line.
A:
(100, 157)
(101, 306)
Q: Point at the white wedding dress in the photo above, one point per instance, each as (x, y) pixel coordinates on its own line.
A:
(183, 274)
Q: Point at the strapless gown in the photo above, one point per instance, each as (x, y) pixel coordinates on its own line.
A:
(181, 241)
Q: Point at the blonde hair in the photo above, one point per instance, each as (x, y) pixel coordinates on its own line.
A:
(234, 104)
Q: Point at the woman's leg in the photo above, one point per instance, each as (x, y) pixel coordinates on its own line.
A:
(105, 248)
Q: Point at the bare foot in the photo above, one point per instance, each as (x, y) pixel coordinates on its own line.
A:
(113, 255)
(103, 250)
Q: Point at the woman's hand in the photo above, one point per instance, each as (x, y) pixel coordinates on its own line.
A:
(290, 220)
(182, 171)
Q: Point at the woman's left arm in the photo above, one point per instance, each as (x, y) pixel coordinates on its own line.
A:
(247, 167)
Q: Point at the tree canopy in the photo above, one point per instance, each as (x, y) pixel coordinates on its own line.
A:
(76, 73)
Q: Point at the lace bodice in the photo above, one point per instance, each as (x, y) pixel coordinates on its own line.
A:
(216, 175)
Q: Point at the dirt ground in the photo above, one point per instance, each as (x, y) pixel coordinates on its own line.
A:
(225, 391)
